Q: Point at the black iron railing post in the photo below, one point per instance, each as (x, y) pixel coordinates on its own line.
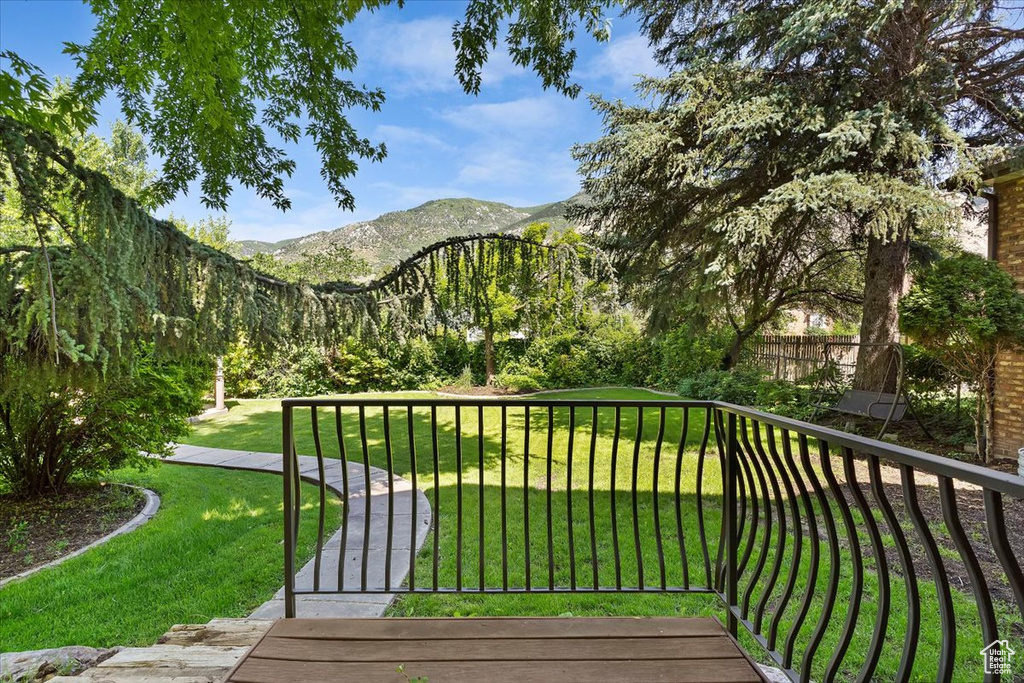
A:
(729, 522)
(289, 530)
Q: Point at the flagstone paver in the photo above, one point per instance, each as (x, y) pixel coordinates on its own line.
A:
(403, 530)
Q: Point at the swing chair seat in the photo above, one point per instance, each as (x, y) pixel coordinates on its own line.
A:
(870, 404)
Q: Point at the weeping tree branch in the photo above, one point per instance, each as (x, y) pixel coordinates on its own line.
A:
(190, 291)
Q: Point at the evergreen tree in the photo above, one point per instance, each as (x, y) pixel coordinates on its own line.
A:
(967, 311)
(782, 117)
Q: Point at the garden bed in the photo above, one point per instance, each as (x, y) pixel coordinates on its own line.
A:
(37, 530)
(480, 391)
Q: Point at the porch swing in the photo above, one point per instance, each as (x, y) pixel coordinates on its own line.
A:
(877, 405)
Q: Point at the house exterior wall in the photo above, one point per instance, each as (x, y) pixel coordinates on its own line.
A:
(1008, 406)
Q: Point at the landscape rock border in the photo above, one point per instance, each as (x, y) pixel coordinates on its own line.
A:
(148, 511)
(549, 391)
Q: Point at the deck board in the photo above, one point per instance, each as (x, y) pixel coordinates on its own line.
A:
(497, 649)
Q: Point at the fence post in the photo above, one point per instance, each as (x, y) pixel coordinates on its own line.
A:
(729, 514)
(289, 530)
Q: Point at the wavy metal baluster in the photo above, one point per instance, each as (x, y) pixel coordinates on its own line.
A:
(547, 508)
(612, 497)
(322, 487)
(881, 568)
(794, 567)
(947, 655)
(391, 497)
(504, 498)
(996, 522)
(720, 569)
(766, 536)
(853, 610)
(982, 596)
(755, 517)
(436, 512)
(812, 536)
(480, 484)
(780, 549)
(833, 554)
(679, 503)
(369, 498)
(415, 497)
(590, 496)
(656, 501)
(458, 498)
(346, 503)
(913, 628)
(526, 498)
(633, 490)
(568, 497)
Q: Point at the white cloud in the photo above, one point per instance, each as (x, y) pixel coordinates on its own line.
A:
(418, 56)
(519, 165)
(527, 114)
(402, 197)
(260, 221)
(622, 60)
(399, 136)
(421, 50)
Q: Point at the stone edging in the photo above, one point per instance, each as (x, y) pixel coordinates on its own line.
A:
(550, 391)
(447, 395)
(147, 513)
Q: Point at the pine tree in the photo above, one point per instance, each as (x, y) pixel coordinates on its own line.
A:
(783, 116)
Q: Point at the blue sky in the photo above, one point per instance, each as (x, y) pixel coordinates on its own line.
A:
(510, 144)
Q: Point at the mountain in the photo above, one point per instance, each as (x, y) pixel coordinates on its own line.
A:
(389, 238)
(247, 248)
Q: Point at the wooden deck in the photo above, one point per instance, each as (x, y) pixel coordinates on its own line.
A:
(497, 649)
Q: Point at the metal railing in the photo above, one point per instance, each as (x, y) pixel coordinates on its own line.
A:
(845, 558)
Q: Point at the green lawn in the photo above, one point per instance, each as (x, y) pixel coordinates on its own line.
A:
(213, 550)
(255, 425)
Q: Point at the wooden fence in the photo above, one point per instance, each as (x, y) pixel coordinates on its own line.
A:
(795, 356)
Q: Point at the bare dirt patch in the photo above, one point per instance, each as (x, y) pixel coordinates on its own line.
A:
(37, 530)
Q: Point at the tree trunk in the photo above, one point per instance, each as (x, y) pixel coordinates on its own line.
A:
(885, 271)
(983, 416)
(489, 355)
(732, 356)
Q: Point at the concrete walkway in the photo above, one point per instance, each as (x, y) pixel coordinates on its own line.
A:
(326, 605)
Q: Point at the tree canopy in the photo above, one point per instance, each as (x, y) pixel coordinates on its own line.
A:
(218, 87)
(85, 291)
(780, 118)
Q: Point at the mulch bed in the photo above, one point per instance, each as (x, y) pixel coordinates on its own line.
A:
(37, 530)
(480, 391)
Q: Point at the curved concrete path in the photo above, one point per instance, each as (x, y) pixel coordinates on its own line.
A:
(327, 605)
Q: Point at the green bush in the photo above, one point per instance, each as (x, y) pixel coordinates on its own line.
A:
(58, 423)
(520, 384)
(924, 370)
(602, 351)
(683, 354)
(747, 387)
(738, 386)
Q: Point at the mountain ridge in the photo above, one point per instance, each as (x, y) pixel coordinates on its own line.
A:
(395, 235)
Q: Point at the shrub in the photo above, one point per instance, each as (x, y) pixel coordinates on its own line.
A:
(683, 353)
(518, 383)
(965, 310)
(747, 387)
(58, 423)
(737, 386)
